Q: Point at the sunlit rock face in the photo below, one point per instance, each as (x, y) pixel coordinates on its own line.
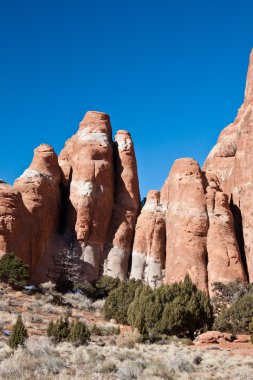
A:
(39, 186)
(186, 224)
(125, 208)
(100, 176)
(88, 156)
(231, 160)
(148, 257)
(87, 201)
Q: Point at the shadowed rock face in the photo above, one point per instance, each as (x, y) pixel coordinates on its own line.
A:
(224, 259)
(232, 161)
(186, 224)
(125, 208)
(148, 257)
(15, 226)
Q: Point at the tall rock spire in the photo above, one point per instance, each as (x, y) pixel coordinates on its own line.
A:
(125, 208)
(148, 258)
(231, 160)
(224, 258)
(186, 224)
(87, 163)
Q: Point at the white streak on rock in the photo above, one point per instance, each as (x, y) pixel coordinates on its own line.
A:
(33, 174)
(82, 188)
(124, 143)
(86, 135)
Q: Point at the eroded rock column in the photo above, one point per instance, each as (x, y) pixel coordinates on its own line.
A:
(125, 208)
(224, 259)
(148, 257)
(89, 157)
(186, 224)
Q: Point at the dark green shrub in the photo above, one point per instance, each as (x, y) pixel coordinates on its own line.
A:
(86, 288)
(79, 333)
(144, 311)
(105, 285)
(251, 330)
(13, 271)
(178, 309)
(18, 334)
(118, 301)
(59, 330)
(237, 316)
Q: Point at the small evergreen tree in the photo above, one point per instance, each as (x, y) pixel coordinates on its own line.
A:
(177, 309)
(79, 333)
(18, 334)
(105, 285)
(13, 271)
(51, 329)
(119, 299)
(59, 331)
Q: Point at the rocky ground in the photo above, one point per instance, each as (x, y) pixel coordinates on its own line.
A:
(110, 356)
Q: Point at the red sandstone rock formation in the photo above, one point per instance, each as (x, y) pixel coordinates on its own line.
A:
(232, 161)
(88, 156)
(125, 208)
(39, 186)
(89, 199)
(148, 257)
(15, 226)
(186, 224)
(224, 258)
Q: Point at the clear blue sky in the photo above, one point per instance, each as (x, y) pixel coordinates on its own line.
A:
(170, 72)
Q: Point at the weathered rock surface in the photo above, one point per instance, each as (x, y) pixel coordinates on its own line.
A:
(186, 224)
(213, 337)
(148, 257)
(39, 186)
(88, 156)
(125, 208)
(232, 161)
(88, 201)
(224, 258)
(15, 226)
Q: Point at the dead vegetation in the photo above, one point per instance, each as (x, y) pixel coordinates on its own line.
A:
(109, 355)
